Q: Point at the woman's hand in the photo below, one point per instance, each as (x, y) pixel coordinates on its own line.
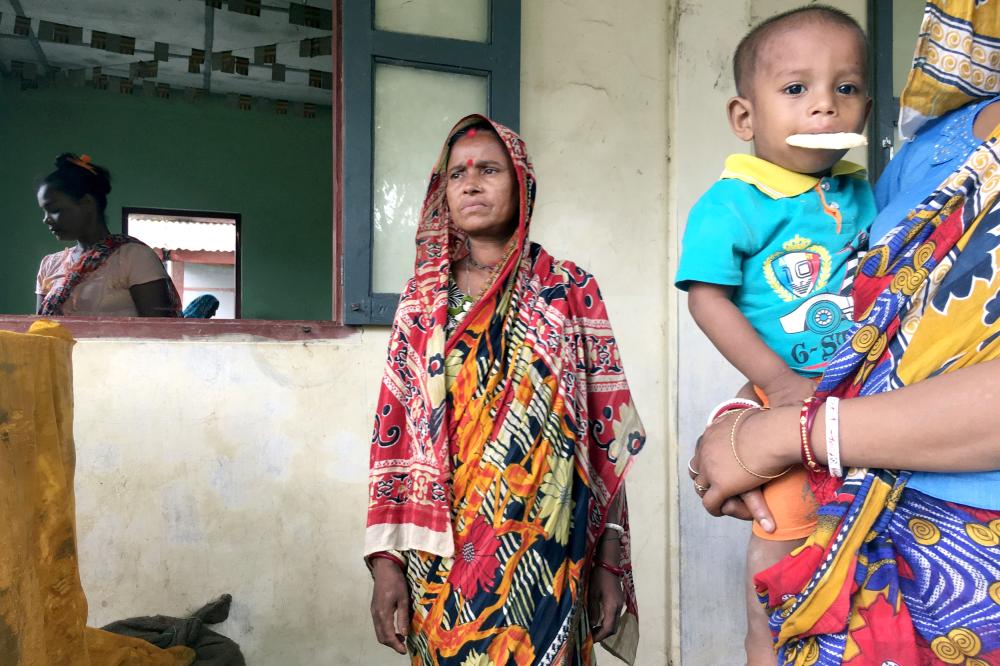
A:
(605, 603)
(390, 604)
(605, 598)
(720, 480)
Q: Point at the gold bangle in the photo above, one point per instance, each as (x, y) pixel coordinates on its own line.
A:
(732, 445)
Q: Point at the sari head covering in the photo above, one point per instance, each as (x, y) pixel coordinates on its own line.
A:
(957, 61)
(505, 443)
(893, 576)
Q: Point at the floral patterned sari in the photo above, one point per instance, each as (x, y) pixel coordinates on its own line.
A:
(498, 450)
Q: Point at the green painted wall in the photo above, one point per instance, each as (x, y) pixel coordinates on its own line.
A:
(274, 170)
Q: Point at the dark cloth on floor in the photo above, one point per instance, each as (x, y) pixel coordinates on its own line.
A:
(211, 648)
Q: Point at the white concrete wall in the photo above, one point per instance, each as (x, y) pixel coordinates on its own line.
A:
(594, 86)
(712, 550)
(240, 467)
(237, 467)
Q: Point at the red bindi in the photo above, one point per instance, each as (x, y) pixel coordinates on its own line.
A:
(468, 163)
(471, 132)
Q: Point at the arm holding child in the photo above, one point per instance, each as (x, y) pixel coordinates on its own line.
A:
(905, 428)
(717, 316)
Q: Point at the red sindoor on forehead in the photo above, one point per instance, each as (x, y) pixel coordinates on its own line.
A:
(469, 163)
(471, 132)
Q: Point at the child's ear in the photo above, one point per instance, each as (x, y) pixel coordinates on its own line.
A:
(740, 111)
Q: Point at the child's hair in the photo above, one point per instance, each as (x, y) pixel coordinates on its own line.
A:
(748, 51)
(77, 176)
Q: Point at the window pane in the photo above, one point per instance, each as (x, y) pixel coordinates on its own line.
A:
(467, 19)
(906, 18)
(200, 255)
(414, 109)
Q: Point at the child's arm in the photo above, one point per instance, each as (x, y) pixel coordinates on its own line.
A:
(731, 333)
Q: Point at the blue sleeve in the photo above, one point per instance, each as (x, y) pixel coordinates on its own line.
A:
(716, 239)
(888, 184)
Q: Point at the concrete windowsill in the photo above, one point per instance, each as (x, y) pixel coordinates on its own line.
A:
(180, 329)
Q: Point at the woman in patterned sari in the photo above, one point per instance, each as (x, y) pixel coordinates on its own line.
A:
(497, 523)
(904, 566)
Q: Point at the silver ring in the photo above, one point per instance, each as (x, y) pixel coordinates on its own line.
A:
(692, 469)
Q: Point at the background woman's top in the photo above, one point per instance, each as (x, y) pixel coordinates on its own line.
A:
(105, 291)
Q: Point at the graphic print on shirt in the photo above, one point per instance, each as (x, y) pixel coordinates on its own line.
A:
(799, 273)
(798, 269)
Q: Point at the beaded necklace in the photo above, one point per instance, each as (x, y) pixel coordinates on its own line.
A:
(494, 271)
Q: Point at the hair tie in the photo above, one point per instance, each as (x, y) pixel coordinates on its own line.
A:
(84, 163)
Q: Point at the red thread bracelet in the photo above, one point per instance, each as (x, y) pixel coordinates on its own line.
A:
(618, 571)
(807, 415)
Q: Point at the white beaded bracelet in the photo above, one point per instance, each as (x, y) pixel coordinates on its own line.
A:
(833, 437)
(614, 526)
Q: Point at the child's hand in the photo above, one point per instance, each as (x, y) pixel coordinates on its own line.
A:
(788, 388)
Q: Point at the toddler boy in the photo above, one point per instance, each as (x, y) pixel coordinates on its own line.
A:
(767, 248)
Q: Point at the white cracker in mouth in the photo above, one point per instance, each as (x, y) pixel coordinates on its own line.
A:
(830, 141)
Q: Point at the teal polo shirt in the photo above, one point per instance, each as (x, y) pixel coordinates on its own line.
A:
(784, 241)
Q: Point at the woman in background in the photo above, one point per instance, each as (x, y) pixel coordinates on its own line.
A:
(203, 307)
(102, 273)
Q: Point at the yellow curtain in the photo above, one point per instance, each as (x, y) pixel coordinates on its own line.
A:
(43, 610)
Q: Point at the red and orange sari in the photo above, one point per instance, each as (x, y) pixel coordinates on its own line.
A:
(498, 450)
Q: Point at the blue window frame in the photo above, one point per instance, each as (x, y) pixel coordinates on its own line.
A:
(497, 59)
(885, 105)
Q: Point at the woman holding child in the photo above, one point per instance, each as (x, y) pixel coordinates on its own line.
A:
(497, 523)
(903, 567)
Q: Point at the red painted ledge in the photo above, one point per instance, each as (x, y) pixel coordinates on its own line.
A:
(152, 328)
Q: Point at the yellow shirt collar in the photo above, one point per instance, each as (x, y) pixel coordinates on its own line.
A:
(778, 182)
